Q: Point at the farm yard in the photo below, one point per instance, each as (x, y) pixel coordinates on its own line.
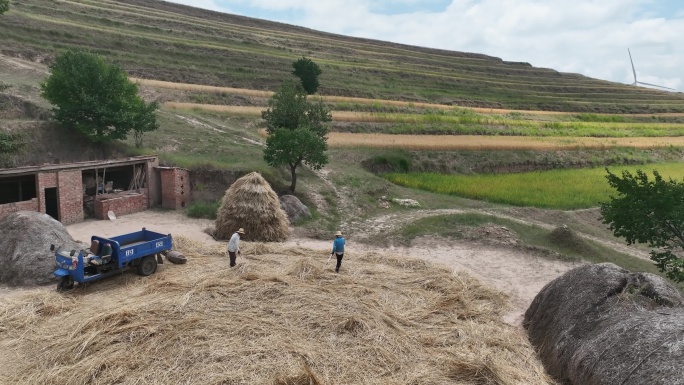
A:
(506, 164)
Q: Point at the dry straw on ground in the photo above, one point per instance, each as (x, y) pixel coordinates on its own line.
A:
(251, 203)
(281, 316)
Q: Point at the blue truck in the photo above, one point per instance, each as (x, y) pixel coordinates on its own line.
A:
(110, 256)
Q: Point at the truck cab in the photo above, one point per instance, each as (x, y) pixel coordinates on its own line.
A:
(109, 256)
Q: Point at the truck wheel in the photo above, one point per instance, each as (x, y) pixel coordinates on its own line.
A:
(147, 266)
(66, 283)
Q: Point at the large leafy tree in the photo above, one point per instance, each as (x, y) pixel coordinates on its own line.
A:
(95, 98)
(297, 131)
(308, 72)
(652, 212)
(4, 6)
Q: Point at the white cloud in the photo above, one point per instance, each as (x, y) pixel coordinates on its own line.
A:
(584, 36)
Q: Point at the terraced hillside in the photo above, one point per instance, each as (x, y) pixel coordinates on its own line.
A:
(163, 41)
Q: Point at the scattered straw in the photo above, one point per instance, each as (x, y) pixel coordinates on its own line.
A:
(281, 316)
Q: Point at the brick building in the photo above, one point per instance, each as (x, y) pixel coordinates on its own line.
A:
(74, 191)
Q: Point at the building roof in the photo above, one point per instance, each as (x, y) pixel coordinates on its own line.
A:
(92, 164)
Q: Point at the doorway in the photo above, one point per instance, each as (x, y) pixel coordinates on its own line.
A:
(51, 203)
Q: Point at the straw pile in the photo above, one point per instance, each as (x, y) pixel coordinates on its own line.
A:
(252, 204)
(601, 324)
(282, 316)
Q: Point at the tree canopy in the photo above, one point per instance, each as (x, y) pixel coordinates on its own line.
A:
(297, 133)
(307, 71)
(4, 6)
(95, 98)
(651, 212)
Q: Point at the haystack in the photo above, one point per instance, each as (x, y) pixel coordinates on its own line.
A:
(601, 324)
(25, 256)
(252, 204)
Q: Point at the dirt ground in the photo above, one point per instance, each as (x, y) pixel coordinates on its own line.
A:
(516, 273)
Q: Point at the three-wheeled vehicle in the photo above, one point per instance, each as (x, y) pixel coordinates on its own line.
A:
(110, 256)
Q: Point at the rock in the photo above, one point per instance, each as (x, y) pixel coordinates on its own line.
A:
(406, 202)
(601, 324)
(294, 208)
(176, 257)
(25, 256)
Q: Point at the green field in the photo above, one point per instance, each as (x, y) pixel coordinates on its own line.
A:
(555, 189)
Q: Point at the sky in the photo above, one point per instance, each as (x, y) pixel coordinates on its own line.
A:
(590, 37)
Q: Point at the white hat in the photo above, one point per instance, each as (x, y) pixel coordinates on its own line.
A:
(241, 231)
(338, 234)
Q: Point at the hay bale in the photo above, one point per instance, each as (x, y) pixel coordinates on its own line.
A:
(25, 256)
(601, 324)
(294, 208)
(252, 204)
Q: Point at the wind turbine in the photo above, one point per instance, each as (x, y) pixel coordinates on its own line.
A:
(636, 82)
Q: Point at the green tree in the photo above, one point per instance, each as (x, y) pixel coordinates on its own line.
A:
(95, 98)
(9, 143)
(144, 120)
(652, 212)
(307, 71)
(4, 6)
(297, 131)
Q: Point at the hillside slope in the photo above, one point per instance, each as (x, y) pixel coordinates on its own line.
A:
(164, 41)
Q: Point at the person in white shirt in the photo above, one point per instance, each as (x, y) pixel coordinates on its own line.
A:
(234, 245)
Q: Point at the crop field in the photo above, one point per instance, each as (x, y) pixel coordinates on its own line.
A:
(485, 142)
(453, 120)
(556, 189)
(173, 43)
(379, 103)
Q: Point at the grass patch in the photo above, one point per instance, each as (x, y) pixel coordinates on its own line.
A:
(395, 162)
(203, 209)
(602, 118)
(561, 240)
(556, 189)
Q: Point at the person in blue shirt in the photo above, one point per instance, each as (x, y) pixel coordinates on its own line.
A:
(338, 250)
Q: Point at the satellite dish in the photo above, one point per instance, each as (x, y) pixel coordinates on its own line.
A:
(110, 215)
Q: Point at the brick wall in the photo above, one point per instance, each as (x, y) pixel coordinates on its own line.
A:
(44, 180)
(153, 183)
(9, 208)
(175, 187)
(70, 196)
(120, 204)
